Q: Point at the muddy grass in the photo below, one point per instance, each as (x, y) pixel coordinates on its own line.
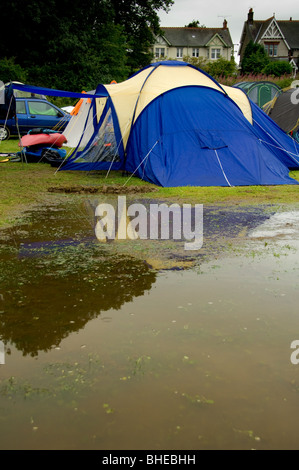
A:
(224, 230)
(28, 185)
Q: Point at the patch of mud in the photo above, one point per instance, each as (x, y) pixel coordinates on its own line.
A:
(106, 189)
(171, 265)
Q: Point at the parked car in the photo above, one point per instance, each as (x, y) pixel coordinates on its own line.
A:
(32, 113)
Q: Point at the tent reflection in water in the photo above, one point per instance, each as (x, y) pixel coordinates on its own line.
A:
(172, 124)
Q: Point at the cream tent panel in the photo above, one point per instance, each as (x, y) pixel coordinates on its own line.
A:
(142, 88)
(133, 95)
(124, 96)
(161, 81)
(100, 105)
(75, 127)
(239, 97)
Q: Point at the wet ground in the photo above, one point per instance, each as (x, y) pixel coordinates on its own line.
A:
(138, 344)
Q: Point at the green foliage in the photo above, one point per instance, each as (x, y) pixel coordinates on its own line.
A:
(217, 68)
(140, 23)
(195, 24)
(69, 45)
(278, 69)
(255, 59)
(199, 62)
(221, 67)
(284, 82)
(10, 71)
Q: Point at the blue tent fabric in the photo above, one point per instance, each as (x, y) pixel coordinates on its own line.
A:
(52, 92)
(194, 135)
(281, 144)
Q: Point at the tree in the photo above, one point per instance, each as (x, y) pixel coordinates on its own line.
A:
(255, 59)
(75, 46)
(9, 70)
(140, 22)
(216, 68)
(221, 67)
(199, 62)
(194, 24)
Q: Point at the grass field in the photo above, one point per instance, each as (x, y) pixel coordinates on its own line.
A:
(26, 184)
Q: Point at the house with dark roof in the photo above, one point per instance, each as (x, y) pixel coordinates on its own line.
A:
(178, 42)
(280, 38)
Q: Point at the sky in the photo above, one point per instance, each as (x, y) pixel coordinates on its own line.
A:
(211, 13)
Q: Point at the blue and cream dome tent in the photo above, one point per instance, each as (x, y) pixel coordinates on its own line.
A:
(172, 124)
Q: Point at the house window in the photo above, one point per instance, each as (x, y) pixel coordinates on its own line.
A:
(179, 52)
(195, 52)
(159, 52)
(271, 49)
(215, 53)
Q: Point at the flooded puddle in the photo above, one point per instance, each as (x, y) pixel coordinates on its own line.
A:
(284, 225)
(118, 346)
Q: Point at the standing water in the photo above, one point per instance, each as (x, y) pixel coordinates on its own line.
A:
(129, 346)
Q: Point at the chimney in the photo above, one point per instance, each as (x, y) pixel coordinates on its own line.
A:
(250, 17)
(224, 24)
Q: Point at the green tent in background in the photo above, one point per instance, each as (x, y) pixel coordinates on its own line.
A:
(259, 92)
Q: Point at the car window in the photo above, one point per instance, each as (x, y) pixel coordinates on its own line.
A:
(41, 108)
(20, 107)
